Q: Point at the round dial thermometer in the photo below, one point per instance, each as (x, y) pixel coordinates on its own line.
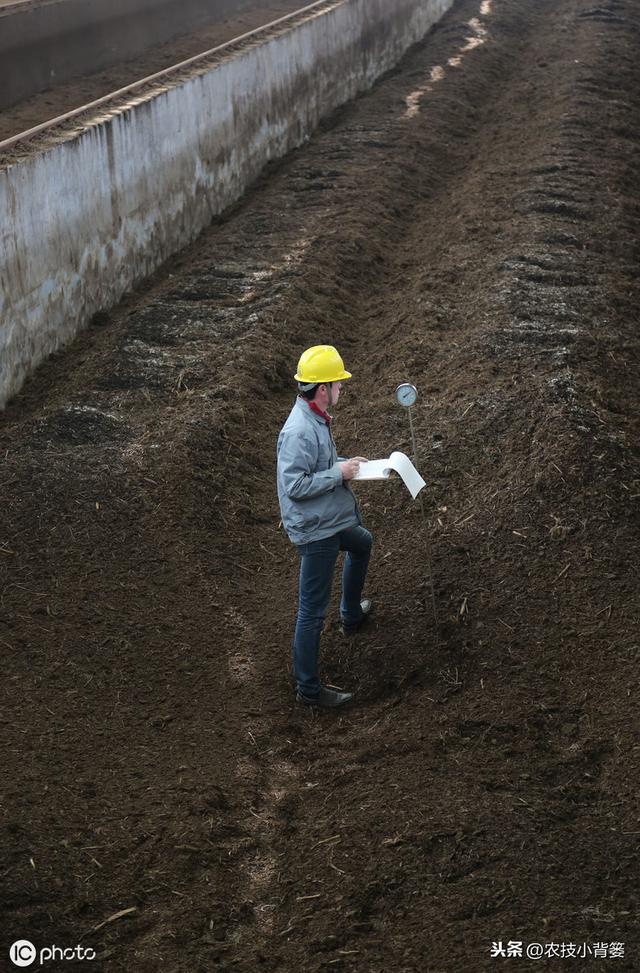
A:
(406, 394)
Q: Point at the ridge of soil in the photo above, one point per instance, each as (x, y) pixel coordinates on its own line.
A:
(471, 226)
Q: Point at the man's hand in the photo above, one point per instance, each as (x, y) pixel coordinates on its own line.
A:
(351, 467)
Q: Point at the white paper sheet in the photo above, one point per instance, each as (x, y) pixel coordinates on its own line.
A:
(380, 469)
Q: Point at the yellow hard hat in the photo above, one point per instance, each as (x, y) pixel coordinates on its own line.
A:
(319, 364)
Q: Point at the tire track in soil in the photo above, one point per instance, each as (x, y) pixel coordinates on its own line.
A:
(460, 800)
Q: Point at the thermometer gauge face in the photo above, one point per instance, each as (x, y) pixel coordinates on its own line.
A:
(406, 395)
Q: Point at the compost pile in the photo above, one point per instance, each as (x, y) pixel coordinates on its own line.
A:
(471, 225)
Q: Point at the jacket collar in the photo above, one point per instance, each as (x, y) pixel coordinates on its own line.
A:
(315, 410)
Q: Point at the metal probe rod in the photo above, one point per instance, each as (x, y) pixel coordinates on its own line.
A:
(426, 529)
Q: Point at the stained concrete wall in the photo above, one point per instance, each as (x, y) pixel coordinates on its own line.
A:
(50, 41)
(83, 221)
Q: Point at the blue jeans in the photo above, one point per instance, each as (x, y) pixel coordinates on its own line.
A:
(317, 564)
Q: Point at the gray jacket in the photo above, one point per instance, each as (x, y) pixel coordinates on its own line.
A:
(314, 501)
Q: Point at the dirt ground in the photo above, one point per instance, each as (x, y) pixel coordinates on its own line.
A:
(472, 226)
(61, 98)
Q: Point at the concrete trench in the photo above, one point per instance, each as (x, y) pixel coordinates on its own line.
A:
(123, 191)
(52, 41)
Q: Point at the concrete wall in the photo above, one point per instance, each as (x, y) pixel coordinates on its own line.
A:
(51, 41)
(85, 219)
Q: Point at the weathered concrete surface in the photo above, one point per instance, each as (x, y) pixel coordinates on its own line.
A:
(50, 42)
(86, 219)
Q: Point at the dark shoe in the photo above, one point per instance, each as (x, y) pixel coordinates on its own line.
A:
(365, 606)
(327, 698)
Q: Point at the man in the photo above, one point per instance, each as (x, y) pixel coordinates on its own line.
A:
(321, 516)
